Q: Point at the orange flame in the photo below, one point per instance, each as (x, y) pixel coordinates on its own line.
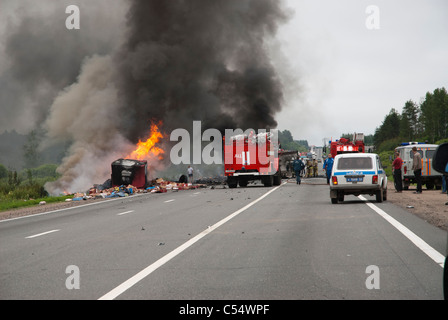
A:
(148, 149)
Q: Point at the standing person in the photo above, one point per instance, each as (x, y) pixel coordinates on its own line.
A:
(444, 181)
(328, 166)
(298, 166)
(446, 178)
(190, 174)
(417, 168)
(396, 165)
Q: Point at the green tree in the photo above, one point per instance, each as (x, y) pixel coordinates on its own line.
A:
(31, 150)
(288, 143)
(410, 126)
(3, 171)
(389, 129)
(435, 114)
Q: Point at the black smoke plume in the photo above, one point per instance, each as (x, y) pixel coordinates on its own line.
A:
(181, 60)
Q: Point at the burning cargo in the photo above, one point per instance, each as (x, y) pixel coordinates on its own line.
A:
(130, 172)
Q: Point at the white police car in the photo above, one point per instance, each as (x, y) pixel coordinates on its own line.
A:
(356, 174)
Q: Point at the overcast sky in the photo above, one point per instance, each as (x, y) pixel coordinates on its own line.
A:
(339, 77)
(350, 76)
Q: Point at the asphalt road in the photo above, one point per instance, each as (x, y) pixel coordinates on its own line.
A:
(279, 243)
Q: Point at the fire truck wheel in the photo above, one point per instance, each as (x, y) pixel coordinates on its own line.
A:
(334, 200)
(277, 179)
(268, 181)
(243, 183)
(232, 183)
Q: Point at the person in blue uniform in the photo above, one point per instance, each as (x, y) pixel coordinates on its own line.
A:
(298, 166)
(328, 166)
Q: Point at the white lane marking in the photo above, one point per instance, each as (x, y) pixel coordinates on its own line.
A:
(120, 214)
(419, 242)
(41, 234)
(74, 207)
(197, 193)
(169, 200)
(151, 268)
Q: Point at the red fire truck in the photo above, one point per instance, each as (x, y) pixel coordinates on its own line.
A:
(251, 157)
(344, 145)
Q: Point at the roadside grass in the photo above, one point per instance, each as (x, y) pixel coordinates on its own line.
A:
(8, 204)
(26, 188)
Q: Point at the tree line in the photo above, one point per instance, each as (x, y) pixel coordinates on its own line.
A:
(426, 121)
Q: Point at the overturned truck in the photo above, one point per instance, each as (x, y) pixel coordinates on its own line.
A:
(130, 172)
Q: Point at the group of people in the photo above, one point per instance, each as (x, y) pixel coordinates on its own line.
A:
(416, 168)
(298, 166)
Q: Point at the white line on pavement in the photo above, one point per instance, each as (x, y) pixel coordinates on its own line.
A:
(151, 268)
(41, 234)
(419, 242)
(169, 200)
(75, 207)
(120, 214)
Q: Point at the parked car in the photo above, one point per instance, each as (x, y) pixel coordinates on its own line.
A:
(440, 164)
(356, 174)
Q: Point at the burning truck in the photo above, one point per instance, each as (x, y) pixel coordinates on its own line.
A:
(130, 172)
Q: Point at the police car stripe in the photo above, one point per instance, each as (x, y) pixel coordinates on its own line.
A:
(343, 173)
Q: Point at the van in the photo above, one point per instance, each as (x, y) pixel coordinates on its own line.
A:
(430, 177)
(356, 174)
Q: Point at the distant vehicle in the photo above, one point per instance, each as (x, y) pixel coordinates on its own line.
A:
(431, 178)
(286, 157)
(252, 157)
(440, 164)
(356, 174)
(344, 145)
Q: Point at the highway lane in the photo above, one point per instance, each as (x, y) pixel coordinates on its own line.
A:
(292, 244)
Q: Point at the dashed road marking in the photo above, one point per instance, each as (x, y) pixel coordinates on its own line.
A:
(41, 234)
(123, 213)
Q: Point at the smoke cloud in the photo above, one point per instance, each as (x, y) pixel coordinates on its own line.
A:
(39, 57)
(179, 61)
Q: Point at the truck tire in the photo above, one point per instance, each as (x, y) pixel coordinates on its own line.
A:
(243, 182)
(278, 178)
(334, 200)
(268, 181)
(232, 182)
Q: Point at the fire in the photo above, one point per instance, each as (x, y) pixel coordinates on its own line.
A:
(148, 149)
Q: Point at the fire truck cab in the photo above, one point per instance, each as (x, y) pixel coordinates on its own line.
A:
(344, 145)
(430, 177)
(251, 157)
